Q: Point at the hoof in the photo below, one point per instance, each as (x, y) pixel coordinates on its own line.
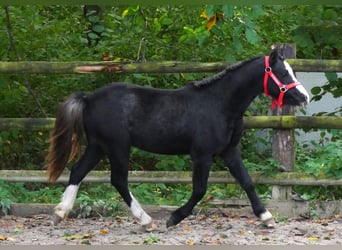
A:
(267, 219)
(169, 223)
(150, 227)
(175, 219)
(56, 219)
(270, 223)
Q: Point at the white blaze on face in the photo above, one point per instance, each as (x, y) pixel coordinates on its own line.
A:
(300, 87)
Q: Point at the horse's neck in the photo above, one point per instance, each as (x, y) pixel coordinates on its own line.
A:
(243, 85)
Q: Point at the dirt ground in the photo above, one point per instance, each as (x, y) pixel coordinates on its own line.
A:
(205, 228)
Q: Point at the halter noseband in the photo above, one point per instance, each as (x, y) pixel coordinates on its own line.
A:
(282, 87)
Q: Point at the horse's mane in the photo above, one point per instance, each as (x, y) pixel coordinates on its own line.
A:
(209, 80)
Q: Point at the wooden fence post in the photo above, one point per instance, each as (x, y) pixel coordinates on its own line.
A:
(283, 139)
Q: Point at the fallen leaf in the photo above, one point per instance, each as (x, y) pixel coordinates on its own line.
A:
(103, 232)
(120, 219)
(215, 242)
(190, 243)
(313, 238)
(251, 221)
(263, 232)
(3, 237)
(186, 228)
(151, 227)
(207, 235)
(227, 214)
(79, 236)
(241, 233)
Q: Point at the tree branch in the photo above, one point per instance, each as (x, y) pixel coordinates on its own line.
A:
(17, 56)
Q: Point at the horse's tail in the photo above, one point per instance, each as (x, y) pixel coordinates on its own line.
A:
(67, 135)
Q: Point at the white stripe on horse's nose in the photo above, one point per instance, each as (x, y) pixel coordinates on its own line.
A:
(300, 88)
(304, 92)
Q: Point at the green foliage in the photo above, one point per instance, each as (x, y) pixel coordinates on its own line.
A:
(151, 239)
(268, 166)
(333, 86)
(97, 200)
(318, 28)
(23, 149)
(5, 198)
(161, 194)
(321, 159)
(142, 160)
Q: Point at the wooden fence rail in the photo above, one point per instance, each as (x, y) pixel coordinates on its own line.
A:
(279, 122)
(183, 177)
(81, 67)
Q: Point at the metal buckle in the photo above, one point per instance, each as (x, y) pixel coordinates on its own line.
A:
(283, 89)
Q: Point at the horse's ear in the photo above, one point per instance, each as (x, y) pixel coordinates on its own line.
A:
(275, 55)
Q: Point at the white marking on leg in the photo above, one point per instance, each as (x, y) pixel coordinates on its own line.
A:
(67, 203)
(139, 213)
(266, 216)
(300, 88)
(267, 219)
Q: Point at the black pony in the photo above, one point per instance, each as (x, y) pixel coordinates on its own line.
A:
(203, 119)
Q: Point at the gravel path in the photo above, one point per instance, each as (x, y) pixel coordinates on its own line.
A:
(211, 228)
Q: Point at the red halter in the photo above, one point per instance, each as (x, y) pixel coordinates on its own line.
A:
(282, 87)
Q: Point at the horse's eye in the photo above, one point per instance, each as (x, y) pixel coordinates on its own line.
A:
(285, 73)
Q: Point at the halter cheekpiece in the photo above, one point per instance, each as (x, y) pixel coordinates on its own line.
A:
(282, 87)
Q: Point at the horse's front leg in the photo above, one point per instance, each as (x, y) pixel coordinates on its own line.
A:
(232, 158)
(201, 167)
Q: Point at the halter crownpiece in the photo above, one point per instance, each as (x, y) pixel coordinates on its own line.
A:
(282, 87)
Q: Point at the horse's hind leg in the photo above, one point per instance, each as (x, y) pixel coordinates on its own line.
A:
(119, 179)
(233, 159)
(87, 162)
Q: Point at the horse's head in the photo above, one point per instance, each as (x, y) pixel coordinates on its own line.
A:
(281, 84)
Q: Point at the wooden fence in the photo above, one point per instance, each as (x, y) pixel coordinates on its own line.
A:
(84, 67)
(283, 122)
